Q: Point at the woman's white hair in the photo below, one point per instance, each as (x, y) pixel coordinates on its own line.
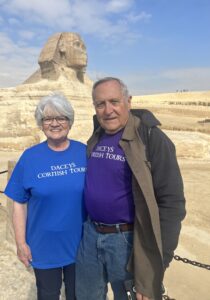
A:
(58, 103)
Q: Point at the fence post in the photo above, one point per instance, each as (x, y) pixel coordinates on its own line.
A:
(9, 206)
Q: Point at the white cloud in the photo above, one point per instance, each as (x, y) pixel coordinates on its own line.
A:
(7, 45)
(91, 18)
(96, 75)
(88, 17)
(26, 34)
(189, 78)
(51, 13)
(15, 72)
(17, 62)
(44, 9)
(116, 6)
(152, 82)
(143, 16)
(190, 73)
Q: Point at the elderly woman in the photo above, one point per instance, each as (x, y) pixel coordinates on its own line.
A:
(46, 187)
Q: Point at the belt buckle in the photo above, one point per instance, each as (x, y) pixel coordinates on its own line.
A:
(111, 226)
(117, 226)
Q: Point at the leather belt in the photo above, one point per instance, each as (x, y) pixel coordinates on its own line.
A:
(105, 228)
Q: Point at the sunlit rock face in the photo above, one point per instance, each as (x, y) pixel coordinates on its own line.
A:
(62, 62)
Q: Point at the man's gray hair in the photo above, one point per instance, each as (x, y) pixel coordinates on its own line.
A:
(58, 103)
(123, 86)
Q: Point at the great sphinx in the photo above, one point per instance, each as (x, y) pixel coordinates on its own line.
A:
(62, 65)
(63, 53)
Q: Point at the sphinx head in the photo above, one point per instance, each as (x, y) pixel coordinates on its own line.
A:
(65, 49)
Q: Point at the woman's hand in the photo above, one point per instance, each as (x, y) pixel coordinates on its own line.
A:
(141, 297)
(24, 254)
(19, 223)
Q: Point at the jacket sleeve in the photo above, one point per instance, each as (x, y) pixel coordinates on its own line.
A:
(168, 188)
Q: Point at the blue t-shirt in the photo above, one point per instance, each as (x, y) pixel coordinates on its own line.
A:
(51, 182)
(108, 185)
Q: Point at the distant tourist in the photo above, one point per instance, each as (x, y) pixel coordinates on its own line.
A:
(134, 198)
(47, 189)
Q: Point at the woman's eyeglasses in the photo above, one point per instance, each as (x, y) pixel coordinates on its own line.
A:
(59, 119)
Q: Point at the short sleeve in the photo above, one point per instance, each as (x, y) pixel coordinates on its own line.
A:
(15, 187)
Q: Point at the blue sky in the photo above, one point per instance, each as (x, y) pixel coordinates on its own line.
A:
(153, 45)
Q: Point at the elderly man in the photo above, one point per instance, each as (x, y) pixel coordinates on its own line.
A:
(135, 206)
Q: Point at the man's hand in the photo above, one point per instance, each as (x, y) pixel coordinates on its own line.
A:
(141, 297)
(24, 254)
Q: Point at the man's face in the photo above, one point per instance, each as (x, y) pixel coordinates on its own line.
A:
(112, 109)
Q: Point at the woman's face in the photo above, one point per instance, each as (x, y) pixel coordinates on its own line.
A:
(55, 126)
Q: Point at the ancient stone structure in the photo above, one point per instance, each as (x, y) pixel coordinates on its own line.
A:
(62, 62)
(63, 53)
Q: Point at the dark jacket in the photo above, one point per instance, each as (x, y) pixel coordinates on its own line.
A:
(158, 197)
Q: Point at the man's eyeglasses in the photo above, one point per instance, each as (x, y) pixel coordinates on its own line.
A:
(59, 119)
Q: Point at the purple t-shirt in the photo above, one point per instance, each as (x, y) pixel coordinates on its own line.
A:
(108, 188)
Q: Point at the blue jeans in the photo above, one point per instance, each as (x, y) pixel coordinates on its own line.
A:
(102, 258)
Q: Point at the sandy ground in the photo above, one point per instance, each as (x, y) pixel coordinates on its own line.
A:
(182, 281)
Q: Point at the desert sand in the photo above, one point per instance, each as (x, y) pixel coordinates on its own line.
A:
(182, 281)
